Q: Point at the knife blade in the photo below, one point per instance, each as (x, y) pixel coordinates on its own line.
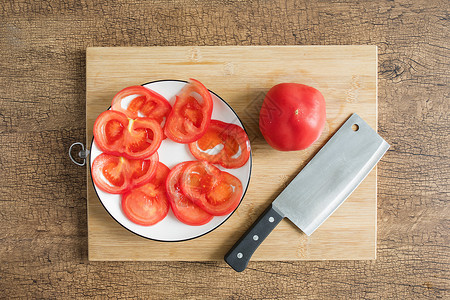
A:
(320, 187)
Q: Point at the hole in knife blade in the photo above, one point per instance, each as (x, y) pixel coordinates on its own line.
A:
(355, 127)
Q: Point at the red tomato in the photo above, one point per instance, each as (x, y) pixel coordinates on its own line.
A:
(146, 103)
(118, 135)
(116, 175)
(292, 116)
(191, 113)
(148, 204)
(184, 209)
(216, 192)
(224, 144)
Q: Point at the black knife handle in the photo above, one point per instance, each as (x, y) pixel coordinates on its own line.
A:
(239, 255)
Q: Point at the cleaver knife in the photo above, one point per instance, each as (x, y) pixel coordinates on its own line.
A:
(320, 187)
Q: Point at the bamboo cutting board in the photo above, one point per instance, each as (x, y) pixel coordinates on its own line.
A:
(346, 76)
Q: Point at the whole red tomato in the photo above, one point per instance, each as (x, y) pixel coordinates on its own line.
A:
(292, 116)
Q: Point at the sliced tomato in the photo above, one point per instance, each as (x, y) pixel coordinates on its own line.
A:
(138, 101)
(223, 143)
(148, 204)
(224, 197)
(191, 113)
(216, 192)
(119, 135)
(116, 175)
(184, 209)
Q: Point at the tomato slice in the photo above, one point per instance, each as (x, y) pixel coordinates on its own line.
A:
(225, 196)
(184, 209)
(142, 171)
(191, 113)
(223, 143)
(119, 135)
(148, 204)
(138, 101)
(216, 192)
(116, 175)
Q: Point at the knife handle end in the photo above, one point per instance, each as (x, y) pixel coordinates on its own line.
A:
(240, 254)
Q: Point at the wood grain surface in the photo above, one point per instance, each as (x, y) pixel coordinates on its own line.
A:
(346, 76)
(43, 217)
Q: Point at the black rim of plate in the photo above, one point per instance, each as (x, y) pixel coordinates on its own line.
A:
(182, 240)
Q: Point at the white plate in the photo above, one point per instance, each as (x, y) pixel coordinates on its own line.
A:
(171, 153)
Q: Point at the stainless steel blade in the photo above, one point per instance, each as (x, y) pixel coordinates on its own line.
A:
(332, 175)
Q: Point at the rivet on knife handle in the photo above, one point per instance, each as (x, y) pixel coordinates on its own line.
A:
(239, 255)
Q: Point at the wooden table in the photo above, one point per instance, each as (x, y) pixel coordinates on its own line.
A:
(43, 236)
